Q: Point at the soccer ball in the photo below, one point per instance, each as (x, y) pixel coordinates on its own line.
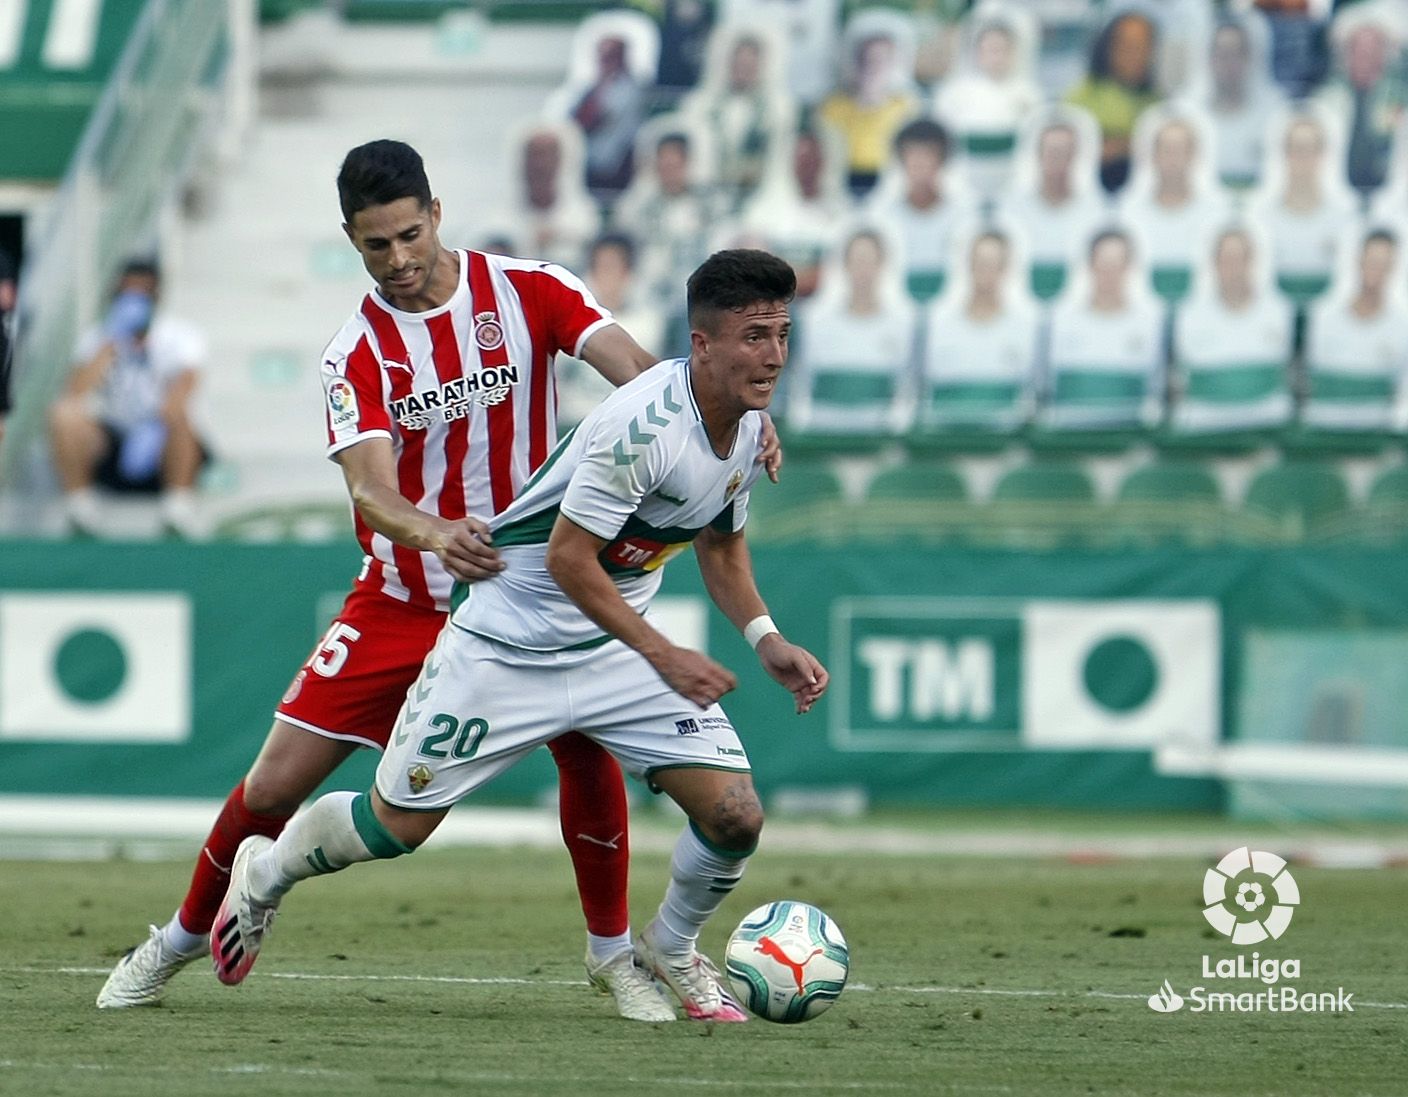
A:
(787, 962)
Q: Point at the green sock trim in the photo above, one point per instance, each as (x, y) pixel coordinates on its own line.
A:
(714, 847)
(378, 840)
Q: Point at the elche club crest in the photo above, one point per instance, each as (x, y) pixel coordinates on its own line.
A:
(488, 332)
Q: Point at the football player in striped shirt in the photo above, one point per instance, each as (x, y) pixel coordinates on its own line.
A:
(563, 639)
(440, 403)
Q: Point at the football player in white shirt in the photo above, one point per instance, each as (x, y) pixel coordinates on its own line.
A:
(562, 639)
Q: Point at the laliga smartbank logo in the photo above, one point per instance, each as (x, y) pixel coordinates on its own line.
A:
(1250, 897)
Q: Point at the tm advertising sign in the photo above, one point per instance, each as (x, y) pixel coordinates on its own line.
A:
(999, 674)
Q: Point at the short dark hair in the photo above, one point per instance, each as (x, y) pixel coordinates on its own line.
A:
(380, 172)
(923, 131)
(734, 279)
(674, 137)
(143, 266)
(1109, 234)
(1388, 236)
(620, 240)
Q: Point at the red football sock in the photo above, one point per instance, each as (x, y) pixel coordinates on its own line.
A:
(595, 821)
(211, 878)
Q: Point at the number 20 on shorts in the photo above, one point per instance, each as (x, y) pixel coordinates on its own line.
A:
(467, 736)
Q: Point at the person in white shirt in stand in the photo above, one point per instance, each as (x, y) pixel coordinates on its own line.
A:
(125, 419)
(1232, 341)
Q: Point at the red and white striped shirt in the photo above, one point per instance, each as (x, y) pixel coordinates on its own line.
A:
(466, 394)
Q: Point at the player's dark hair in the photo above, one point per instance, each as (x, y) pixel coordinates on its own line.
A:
(674, 137)
(731, 280)
(923, 131)
(380, 172)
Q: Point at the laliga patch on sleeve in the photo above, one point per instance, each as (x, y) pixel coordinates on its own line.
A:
(342, 403)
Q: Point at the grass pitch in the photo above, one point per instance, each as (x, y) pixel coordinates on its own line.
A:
(459, 972)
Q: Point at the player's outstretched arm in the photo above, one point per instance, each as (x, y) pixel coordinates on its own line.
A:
(573, 563)
(463, 545)
(614, 354)
(727, 570)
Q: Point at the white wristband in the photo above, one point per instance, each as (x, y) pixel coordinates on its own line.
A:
(757, 628)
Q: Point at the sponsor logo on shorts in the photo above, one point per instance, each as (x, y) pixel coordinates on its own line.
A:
(294, 688)
(732, 752)
(687, 726)
(419, 777)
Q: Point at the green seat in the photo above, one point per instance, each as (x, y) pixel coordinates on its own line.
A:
(919, 481)
(1168, 481)
(1045, 482)
(802, 483)
(1298, 494)
(1390, 488)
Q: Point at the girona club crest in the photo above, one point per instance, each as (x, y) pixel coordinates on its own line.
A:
(488, 332)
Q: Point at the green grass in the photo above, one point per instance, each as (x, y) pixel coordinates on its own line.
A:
(1066, 934)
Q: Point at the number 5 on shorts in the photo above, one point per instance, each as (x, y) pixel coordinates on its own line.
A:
(331, 652)
(467, 737)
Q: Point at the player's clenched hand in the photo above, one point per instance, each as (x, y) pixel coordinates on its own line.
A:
(693, 675)
(795, 667)
(465, 547)
(771, 457)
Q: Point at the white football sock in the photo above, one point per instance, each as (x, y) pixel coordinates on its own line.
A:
(182, 941)
(701, 877)
(604, 948)
(337, 830)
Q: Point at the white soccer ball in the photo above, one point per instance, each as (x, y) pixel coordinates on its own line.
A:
(787, 962)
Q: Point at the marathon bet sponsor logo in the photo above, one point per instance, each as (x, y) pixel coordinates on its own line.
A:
(83, 667)
(1250, 897)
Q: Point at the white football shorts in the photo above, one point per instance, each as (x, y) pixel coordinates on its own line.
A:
(479, 706)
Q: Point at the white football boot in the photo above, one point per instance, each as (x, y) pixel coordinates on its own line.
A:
(140, 977)
(242, 921)
(637, 998)
(694, 979)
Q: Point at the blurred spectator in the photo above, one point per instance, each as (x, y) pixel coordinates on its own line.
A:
(984, 102)
(1172, 196)
(670, 208)
(1367, 90)
(553, 216)
(1298, 55)
(1390, 205)
(1232, 341)
(801, 205)
(609, 113)
(1055, 199)
(1357, 344)
(979, 366)
(125, 417)
(1304, 203)
(744, 107)
(810, 28)
(876, 94)
(1119, 87)
(7, 311)
(855, 345)
(610, 275)
(1105, 354)
(611, 68)
(685, 26)
(920, 201)
(1239, 97)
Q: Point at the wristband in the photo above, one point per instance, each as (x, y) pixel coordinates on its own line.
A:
(757, 628)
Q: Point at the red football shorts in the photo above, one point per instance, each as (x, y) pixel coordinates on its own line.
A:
(352, 685)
